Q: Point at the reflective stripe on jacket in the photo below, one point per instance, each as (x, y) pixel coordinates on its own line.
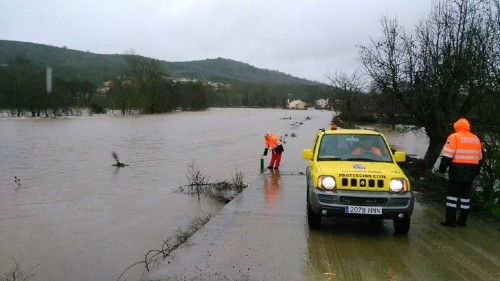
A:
(463, 147)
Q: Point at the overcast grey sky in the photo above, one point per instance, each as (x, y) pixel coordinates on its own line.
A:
(304, 38)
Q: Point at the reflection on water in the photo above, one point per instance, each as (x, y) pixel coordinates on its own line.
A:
(357, 250)
(271, 189)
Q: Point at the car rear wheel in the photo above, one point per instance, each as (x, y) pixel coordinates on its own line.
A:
(313, 220)
(401, 226)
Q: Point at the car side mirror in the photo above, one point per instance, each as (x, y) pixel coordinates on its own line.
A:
(307, 154)
(399, 156)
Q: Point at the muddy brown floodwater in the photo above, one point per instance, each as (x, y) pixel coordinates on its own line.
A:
(75, 217)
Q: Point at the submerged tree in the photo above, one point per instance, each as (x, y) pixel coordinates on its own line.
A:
(349, 87)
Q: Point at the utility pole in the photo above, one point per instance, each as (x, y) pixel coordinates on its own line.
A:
(48, 86)
(48, 79)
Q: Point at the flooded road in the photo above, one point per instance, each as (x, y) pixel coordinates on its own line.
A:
(263, 235)
(75, 217)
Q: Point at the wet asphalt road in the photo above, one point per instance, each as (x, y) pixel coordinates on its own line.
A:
(263, 235)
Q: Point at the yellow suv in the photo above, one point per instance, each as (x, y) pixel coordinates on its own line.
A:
(354, 173)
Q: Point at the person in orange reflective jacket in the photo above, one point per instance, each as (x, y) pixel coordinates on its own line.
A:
(366, 146)
(273, 142)
(463, 155)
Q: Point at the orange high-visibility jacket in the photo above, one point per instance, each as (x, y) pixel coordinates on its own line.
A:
(463, 147)
(271, 141)
(374, 150)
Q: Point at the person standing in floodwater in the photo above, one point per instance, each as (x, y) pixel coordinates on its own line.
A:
(462, 153)
(273, 142)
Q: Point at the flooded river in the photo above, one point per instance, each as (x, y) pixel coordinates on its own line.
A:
(75, 217)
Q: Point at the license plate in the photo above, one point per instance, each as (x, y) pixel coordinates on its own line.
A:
(363, 210)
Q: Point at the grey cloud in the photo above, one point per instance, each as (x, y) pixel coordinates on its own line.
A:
(303, 38)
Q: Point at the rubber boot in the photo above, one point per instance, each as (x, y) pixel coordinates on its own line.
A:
(451, 217)
(464, 210)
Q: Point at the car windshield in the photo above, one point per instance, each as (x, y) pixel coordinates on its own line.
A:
(370, 148)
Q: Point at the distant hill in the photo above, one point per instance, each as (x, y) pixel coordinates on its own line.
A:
(101, 67)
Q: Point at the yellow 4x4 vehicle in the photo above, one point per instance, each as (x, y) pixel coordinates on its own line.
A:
(354, 173)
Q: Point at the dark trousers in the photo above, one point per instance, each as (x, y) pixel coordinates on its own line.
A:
(458, 197)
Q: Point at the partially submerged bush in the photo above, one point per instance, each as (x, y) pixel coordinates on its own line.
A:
(197, 180)
(195, 177)
(97, 108)
(223, 191)
(237, 182)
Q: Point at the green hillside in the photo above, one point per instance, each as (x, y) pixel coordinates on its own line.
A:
(71, 64)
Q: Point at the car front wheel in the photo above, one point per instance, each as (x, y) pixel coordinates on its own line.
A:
(401, 226)
(313, 220)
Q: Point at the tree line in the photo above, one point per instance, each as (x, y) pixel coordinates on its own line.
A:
(141, 87)
(23, 89)
(267, 94)
(145, 87)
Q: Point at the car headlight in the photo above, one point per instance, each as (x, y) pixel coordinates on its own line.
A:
(396, 185)
(327, 182)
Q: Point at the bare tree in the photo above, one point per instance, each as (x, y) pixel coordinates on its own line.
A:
(196, 179)
(445, 69)
(349, 87)
(389, 62)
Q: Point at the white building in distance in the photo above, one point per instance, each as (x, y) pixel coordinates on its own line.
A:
(297, 104)
(321, 104)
